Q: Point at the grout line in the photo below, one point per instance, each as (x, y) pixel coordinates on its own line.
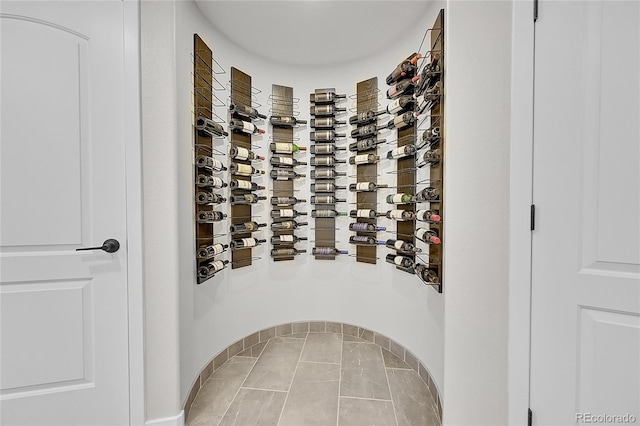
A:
(366, 399)
(286, 398)
(393, 404)
(340, 378)
(320, 362)
(405, 369)
(263, 390)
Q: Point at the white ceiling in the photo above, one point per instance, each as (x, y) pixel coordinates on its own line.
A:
(313, 32)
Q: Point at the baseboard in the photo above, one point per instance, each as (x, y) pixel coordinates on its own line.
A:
(168, 421)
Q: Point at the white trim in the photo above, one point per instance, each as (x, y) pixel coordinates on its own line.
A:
(133, 164)
(168, 421)
(520, 196)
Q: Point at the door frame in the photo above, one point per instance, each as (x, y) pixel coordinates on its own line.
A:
(133, 170)
(520, 200)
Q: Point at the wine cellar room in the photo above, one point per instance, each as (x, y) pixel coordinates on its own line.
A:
(276, 57)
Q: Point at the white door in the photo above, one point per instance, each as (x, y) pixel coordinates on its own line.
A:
(63, 312)
(585, 337)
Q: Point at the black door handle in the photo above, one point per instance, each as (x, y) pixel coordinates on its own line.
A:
(110, 246)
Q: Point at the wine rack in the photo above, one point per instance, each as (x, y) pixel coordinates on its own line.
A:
(324, 111)
(242, 114)
(367, 100)
(283, 122)
(208, 128)
(431, 122)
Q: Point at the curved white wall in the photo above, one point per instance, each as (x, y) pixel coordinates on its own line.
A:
(239, 302)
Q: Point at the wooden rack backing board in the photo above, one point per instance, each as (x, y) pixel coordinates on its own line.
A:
(282, 104)
(241, 95)
(367, 100)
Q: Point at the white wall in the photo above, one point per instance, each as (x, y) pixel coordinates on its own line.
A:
(239, 302)
(478, 138)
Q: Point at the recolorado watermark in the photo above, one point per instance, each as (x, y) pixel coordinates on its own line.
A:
(605, 418)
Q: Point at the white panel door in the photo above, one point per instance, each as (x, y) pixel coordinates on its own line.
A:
(64, 354)
(585, 336)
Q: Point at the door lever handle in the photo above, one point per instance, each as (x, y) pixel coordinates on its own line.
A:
(110, 246)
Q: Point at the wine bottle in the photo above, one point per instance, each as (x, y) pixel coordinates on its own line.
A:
(431, 156)
(402, 121)
(326, 149)
(240, 153)
(366, 186)
(326, 213)
(246, 227)
(366, 131)
(365, 227)
(402, 261)
(326, 173)
(245, 185)
(431, 135)
(285, 174)
(205, 162)
(401, 152)
(402, 246)
(286, 239)
(401, 87)
(325, 136)
(364, 240)
(401, 104)
(400, 198)
(287, 225)
(241, 126)
(364, 159)
(429, 236)
(208, 127)
(286, 252)
(286, 201)
(365, 144)
(246, 199)
(325, 97)
(325, 110)
(404, 68)
(427, 80)
(210, 269)
(326, 199)
(430, 193)
(210, 216)
(285, 121)
(426, 102)
(327, 251)
(245, 111)
(286, 162)
(210, 181)
(365, 117)
(431, 216)
(326, 123)
(285, 148)
(244, 170)
(203, 197)
(325, 187)
(400, 215)
(366, 213)
(286, 213)
(207, 252)
(239, 243)
(426, 274)
(327, 161)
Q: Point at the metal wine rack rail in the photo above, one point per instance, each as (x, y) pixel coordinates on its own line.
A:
(207, 185)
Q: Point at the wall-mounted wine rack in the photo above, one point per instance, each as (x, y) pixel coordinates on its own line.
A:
(284, 205)
(208, 128)
(324, 190)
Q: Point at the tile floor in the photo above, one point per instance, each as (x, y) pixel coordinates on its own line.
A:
(314, 379)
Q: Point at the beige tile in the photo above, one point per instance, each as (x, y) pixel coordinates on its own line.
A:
(363, 373)
(396, 349)
(267, 333)
(365, 334)
(254, 407)
(300, 327)
(220, 359)
(296, 336)
(257, 349)
(236, 348)
(411, 399)
(413, 362)
(322, 347)
(313, 398)
(360, 412)
(348, 338)
(283, 329)
(276, 365)
(206, 372)
(246, 352)
(251, 340)
(350, 330)
(392, 361)
(317, 327)
(333, 327)
(216, 394)
(382, 341)
(424, 373)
